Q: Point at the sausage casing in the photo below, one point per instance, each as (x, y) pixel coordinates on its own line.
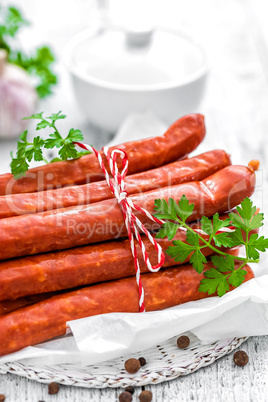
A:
(75, 226)
(196, 168)
(180, 139)
(47, 319)
(80, 266)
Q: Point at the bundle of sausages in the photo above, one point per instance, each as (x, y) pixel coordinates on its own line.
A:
(63, 250)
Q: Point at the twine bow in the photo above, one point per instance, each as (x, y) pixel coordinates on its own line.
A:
(133, 224)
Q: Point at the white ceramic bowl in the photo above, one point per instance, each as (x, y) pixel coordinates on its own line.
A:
(115, 74)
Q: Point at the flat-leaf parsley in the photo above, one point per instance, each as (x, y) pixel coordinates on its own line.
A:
(224, 273)
(28, 151)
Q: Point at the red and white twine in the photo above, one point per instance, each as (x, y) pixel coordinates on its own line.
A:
(133, 224)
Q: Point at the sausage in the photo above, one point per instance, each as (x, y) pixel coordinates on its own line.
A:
(196, 168)
(180, 139)
(79, 266)
(47, 319)
(76, 226)
(7, 306)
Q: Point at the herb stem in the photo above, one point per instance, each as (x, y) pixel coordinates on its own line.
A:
(208, 244)
(226, 269)
(246, 243)
(241, 266)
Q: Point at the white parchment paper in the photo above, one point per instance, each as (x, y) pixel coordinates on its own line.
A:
(242, 312)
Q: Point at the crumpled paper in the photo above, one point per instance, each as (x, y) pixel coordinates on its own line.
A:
(242, 312)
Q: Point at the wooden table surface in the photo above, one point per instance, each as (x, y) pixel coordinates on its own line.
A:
(221, 381)
(235, 106)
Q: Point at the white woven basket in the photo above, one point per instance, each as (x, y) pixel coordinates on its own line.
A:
(164, 363)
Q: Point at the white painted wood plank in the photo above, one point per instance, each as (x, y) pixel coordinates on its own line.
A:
(219, 382)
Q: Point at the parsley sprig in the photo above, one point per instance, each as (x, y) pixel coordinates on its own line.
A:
(28, 151)
(11, 21)
(225, 272)
(38, 64)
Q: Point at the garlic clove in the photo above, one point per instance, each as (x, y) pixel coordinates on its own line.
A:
(18, 98)
(3, 60)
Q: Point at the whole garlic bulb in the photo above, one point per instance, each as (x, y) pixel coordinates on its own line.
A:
(18, 98)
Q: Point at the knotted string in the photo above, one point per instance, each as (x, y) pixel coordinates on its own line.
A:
(133, 225)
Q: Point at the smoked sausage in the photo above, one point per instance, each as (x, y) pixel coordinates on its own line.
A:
(196, 168)
(75, 226)
(180, 139)
(7, 306)
(47, 319)
(80, 266)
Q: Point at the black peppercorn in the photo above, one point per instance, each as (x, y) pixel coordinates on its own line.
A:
(132, 366)
(130, 389)
(125, 397)
(183, 342)
(53, 388)
(240, 358)
(142, 361)
(146, 396)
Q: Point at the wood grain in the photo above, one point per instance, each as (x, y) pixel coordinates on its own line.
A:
(219, 382)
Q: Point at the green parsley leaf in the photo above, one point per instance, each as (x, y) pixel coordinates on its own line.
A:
(38, 64)
(224, 264)
(185, 208)
(256, 243)
(211, 228)
(221, 276)
(38, 116)
(237, 277)
(56, 141)
(27, 151)
(23, 136)
(38, 155)
(256, 221)
(214, 282)
(73, 136)
(13, 22)
(223, 239)
(55, 160)
(82, 153)
(165, 210)
(68, 151)
(246, 219)
(172, 210)
(19, 167)
(43, 124)
(224, 272)
(206, 225)
(219, 223)
(57, 116)
(38, 142)
(198, 260)
(181, 250)
(168, 229)
(192, 238)
(237, 237)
